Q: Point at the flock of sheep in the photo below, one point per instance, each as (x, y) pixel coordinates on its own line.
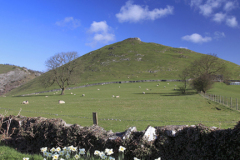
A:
(83, 95)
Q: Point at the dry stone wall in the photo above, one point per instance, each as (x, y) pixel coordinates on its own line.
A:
(28, 134)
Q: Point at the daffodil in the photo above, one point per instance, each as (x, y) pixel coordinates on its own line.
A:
(61, 159)
(55, 156)
(53, 150)
(97, 153)
(61, 153)
(76, 156)
(43, 149)
(70, 147)
(58, 149)
(111, 158)
(82, 151)
(110, 151)
(67, 156)
(45, 153)
(135, 158)
(158, 158)
(103, 156)
(49, 154)
(25, 158)
(106, 150)
(74, 149)
(122, 149)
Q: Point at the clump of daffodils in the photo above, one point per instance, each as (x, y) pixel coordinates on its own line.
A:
(72, 152)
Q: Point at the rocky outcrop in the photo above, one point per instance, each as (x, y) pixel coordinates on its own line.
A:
(16, 78)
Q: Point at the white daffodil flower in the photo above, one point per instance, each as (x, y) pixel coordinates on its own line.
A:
(135, 158)
(49, 155)
(103, 156)
(61, 153)
(70, 147)
(106, 150)
(76, 156)
(82, 151)
(45, 153)
(53, 150)
(67, 156)
(122, 149)
(25, 158)
(58, 149)
(111, 158)
(74, 149)
(55, 156)
(97, 152)
(43, 149)
(110, 151)
(158, 158)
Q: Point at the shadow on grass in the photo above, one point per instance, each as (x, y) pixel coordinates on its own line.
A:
(176, 93)
(38, 95)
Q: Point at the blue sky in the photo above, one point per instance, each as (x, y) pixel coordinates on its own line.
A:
(31, 31)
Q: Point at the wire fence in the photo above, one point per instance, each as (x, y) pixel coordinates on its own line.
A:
(224, 100)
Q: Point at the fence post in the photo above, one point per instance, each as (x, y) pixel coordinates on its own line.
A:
(220, 99)
(230, 102)
(95, 119)
(236, 104)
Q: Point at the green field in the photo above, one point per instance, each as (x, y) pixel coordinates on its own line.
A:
(158, 107)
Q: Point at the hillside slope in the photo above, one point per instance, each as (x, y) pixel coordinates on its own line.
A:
(12, 77)
(130, 59)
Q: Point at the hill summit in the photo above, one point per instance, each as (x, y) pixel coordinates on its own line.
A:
(130, 59)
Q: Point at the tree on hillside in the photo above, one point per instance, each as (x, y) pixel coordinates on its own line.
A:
(61, 68)
(204, 71)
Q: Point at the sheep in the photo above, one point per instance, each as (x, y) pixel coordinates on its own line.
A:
(157, 85)
(147, 89)
(174, 89)
(25, 102)
(113, 96)
(143, 92)
(98, 89)
(46, 96)
(119, 86)
(139, 86)
(117, 96)
(71, 93)
(83, 95)
(164, 86)
(74, 94)
(168, 83)
(61, 102)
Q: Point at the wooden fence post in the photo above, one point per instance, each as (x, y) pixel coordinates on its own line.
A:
(95, 119)
(220, 99)
(230, 102)
(236, 104)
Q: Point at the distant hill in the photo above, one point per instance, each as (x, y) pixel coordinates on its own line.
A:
(12, 76)
(130, 59)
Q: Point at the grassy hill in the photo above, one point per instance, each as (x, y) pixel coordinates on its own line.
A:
(130, 59)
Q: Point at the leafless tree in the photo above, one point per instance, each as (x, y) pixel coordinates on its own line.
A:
(61, 68)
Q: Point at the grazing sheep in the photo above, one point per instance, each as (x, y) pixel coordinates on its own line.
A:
(164, 86)
(147, 89)
(175, 85)
(119, 86)
(139, 86)
(74, 94)
(117, 96)
(113, 96)
(168, 83)
(174, 89)
(61, 102)
(83, 95)
(143, 92)
(46, 96)
(71, 93)
(157, 85)
(25, 102)
(98, 89)
(53, 93)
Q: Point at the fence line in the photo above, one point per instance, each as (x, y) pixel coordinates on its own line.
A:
(224, 100)
(116, 119)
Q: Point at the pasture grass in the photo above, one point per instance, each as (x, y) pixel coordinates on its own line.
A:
(159, 106)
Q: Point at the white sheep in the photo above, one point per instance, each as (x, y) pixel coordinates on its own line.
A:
(61, 102)
(147, 89)
(117, 96)
(139, 86)
(83, 95)
(46, 96)
(143, 92)
(164, 86)
(157, 85)
(25, 102)
(71, 93)
(119, 86)
(113, 96)
(168, 83)
(98, 89)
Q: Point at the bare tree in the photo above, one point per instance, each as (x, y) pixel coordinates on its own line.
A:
(61, 68)
(205, 71)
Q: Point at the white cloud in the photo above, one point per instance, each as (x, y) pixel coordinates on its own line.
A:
(134, 13)
(194, 3)
(102, 33)
(218, 35)
(232, 21)
(69, 21)
(230, 6)
(196, 38)
(219, 17)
